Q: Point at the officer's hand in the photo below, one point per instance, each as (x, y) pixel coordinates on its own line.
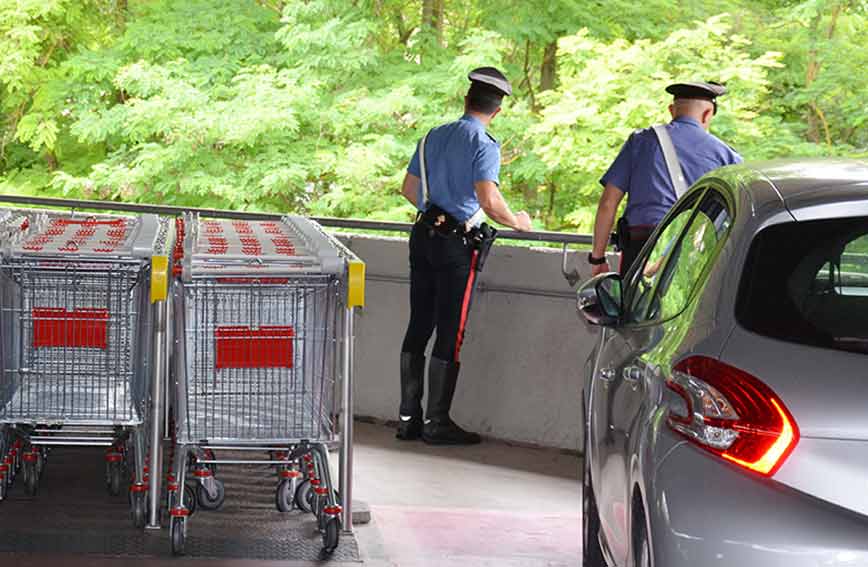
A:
(522, 221)
(600, 269)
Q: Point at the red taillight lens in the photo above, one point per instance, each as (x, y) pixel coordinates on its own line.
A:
(732, 414)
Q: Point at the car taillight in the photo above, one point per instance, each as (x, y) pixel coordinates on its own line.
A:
(730, 413)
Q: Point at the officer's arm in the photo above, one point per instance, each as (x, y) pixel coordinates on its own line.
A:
(410, 189)
(494, 205)
(606, 211)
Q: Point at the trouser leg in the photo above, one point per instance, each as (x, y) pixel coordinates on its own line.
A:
(631, 252)
(456, 281)
(423, 294)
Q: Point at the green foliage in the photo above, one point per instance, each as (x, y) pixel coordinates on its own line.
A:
(315, 107)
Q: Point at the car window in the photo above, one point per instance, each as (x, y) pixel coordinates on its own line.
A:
(690, 256)
(650, 266)
(807, 283)
(848, 275)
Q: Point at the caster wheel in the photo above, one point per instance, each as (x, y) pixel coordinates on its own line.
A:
(189, 499)
(178, 528)
(304, 496)
(211, 456)
(31, 479)
(206, 501)
(285, 497)
(113, 478)
(139, 509)
(330, 536)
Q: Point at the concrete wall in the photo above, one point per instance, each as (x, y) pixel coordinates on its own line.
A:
(524, 350)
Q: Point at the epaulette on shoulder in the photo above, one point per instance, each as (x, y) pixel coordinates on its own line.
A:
(492, 138)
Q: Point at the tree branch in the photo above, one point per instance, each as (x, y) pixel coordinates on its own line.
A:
(825, 123)
(527, 78)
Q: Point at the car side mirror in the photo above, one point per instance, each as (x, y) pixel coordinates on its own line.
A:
(600, 300)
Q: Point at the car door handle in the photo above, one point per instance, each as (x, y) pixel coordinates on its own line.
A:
(633, 374)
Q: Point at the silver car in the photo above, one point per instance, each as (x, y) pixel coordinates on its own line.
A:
(726, 402)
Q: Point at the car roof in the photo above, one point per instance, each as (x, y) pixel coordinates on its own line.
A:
(800, 181)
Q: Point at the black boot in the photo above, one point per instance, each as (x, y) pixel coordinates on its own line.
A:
(439, 429)
(412, 381)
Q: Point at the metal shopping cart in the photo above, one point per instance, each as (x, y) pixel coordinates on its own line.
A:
(259, 307)
(75, 341)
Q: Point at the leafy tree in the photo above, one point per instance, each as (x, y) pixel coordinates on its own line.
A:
(316, 106)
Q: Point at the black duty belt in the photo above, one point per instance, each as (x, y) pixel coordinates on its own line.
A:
(478, 238)
(441, 222)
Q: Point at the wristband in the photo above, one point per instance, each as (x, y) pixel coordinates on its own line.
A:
(595, 261)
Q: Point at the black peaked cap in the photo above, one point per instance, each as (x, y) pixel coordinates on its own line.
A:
(491, 77)
(708, 91)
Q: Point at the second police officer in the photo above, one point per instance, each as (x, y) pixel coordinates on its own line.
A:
(641, 171)
(453, 181)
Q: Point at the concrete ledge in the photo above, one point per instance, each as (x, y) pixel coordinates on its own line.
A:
(524, 351)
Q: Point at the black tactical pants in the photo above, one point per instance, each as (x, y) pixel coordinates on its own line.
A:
(631, 251)
(442, 278)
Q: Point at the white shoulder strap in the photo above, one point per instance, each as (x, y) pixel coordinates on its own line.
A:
(424, 202)
(672, 163)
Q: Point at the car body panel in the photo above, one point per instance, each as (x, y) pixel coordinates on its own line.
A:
(825, 390)
(706, 512)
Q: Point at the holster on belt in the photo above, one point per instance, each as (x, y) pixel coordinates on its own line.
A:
(621, 238)
(443, 224)
(481, 238)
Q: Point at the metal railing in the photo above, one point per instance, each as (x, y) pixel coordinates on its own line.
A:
(534, 236)
(565, 239)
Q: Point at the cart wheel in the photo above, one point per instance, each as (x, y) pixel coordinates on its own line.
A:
(304, 496)
(330, 536)
(114, 478)
(31, 480)
(190, 499)
(178, 536)
(139, 509)
(285, 497)
(205, 500)
(211, 456)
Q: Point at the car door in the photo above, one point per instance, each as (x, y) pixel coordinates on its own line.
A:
(612, 395)
(658, 291)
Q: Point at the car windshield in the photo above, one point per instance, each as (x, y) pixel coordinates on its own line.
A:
(807, 282)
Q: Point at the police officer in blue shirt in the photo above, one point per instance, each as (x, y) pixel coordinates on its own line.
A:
(641, 173)
(452, 180)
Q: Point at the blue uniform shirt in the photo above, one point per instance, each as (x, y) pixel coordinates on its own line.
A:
(640, 168)
(457, 155)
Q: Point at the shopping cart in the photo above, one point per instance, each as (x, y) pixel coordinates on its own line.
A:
(258, 310)
(75, 341)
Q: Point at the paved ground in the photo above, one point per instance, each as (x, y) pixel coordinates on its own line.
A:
(485, 506)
